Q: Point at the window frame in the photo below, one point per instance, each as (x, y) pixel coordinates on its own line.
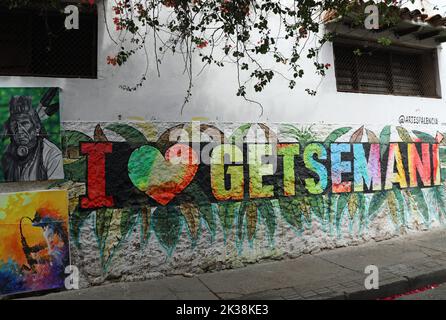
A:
(93, 74)
(390, 50)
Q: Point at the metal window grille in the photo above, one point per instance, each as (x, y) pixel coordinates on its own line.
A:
(35, 42)
(386, 70)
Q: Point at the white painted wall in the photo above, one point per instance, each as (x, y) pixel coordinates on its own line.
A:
(214, 96)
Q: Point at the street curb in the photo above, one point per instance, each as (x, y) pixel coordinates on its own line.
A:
(397, 287)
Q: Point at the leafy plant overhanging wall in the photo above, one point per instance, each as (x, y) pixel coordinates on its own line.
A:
(130, 203)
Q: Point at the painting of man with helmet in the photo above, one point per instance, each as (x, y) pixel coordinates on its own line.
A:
(33, 152)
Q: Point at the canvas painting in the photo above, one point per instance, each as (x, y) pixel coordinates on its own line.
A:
(34, 241)
(30, 144)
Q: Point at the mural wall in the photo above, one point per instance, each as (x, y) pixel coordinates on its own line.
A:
(34, 243)
(155, 198)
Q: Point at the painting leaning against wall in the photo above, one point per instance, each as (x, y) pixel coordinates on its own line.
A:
(30, 142)
(34, 243)
(128, 174)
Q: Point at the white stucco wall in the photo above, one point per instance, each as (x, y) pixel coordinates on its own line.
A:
(214, 94)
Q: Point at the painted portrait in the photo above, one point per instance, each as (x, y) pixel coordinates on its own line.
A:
(30, 147)
(34, 241)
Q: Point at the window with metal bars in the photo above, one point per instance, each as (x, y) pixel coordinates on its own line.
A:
(35, 42)
(386, 70)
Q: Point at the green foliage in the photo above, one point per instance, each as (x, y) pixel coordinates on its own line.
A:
(167, 224)
(76, 171)
(77, 219)
(131, 135)
(240, 133)
(335, 135)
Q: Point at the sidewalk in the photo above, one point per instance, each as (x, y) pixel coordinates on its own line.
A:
(406, 263)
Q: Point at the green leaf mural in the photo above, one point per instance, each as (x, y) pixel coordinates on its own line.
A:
(191, 214)
(336, 134)
(207, 214)
(267, 214)
(424, 137)
(77, 219)
(167, 223)
(247, 213)
(341, 204)
(420, 201)
(439, 197)
(145, 220)
(404, 134)
(131, 135)
(384, 139)
(400, 204)
(376, 203)
(227, 212)
(128, 219)
(76, 171)
(240, 133)
(72, 138)
(247, 217)
(289, 208)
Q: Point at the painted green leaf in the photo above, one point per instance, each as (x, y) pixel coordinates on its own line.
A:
(227, 212)
(384, 139)
(128, 220)
(355, 204)
(376, 203)
(76, 171)
(167, 223)
(194, 194)
(103, 220)
(404, 134)
(400, 201)
(340, 207)
(191, 214)
(393, 207)
(208, 216)
(371, 136)
(361, 208)
(268, 215)
(131, 135)
(248, 213)
(240, 222)
(336, 134)
(317, 204)
(146, 217)
(304, 206)
(418, 196)
(71, 138)
(425, 137)
(251, 215)
(77, 219)
(439, 197)
(240, 133)
(113, 238)
(442, 155)
(289, 209)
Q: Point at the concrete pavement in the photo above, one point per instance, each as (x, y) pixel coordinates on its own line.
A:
(405, 263)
